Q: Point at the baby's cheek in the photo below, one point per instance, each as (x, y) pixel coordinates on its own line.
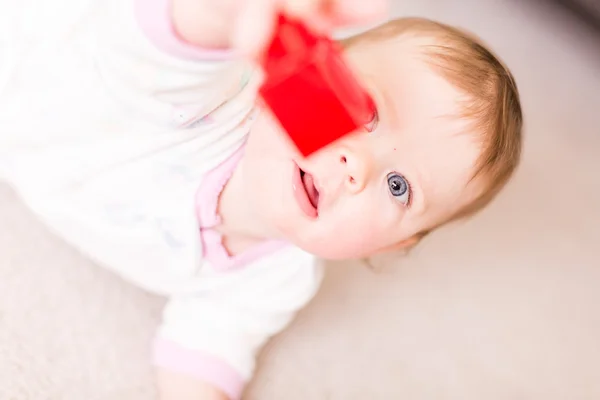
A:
(357, 237)
(369, 238)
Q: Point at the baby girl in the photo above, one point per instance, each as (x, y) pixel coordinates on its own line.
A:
(132, 128)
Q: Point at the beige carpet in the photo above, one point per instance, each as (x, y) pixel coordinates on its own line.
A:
(501, 307)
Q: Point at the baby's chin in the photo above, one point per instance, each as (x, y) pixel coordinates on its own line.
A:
(331, 249)
(323, 243)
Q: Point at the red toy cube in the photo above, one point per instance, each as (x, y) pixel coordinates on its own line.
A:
(310, 89)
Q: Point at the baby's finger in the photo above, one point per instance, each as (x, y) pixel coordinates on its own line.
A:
(313, 13)
(254, 26)
(358, 11)
(303, 9)
(324, 15)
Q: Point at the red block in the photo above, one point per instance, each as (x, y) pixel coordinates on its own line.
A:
(310, 89)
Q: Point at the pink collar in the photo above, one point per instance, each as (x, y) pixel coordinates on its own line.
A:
(207, 202)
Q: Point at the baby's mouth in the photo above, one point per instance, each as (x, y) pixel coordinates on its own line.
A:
(309, 187)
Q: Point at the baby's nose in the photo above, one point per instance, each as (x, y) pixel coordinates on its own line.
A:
(356, 170)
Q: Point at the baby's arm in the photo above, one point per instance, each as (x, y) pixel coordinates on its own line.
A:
(207, 344)
(159, 57)
(204, 23)
(164, 71)
(176, 386)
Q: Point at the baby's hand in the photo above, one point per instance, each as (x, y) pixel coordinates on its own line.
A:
(247, 25)
(256, 21)
(174, 386)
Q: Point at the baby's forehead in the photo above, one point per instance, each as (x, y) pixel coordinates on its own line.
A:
(392, 47)
(406, 62)
(410, 88)
(404, 74)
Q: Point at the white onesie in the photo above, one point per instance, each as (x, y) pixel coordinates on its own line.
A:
(120, 137)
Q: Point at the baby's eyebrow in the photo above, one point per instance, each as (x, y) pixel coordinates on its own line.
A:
(418, 181)
(390, 107)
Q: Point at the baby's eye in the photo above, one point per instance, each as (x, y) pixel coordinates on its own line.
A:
(372, 124)
(399, 187)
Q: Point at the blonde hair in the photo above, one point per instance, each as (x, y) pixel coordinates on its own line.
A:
(492, 96)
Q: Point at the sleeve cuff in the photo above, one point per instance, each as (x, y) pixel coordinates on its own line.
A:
(153, 17)
(199, 365)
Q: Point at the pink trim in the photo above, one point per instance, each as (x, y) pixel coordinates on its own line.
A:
(153, 17)
(199, 365)
(207, 203)
(220, 258)
(207, 197)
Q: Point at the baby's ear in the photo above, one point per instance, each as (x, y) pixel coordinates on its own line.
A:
(377, 262)
(398, 249)
(404, 245)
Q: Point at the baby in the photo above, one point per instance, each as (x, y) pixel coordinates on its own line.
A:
(134, 134)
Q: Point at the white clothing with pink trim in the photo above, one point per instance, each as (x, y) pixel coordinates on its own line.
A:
(120, 137)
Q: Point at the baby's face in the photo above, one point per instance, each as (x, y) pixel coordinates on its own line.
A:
(371, 191)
